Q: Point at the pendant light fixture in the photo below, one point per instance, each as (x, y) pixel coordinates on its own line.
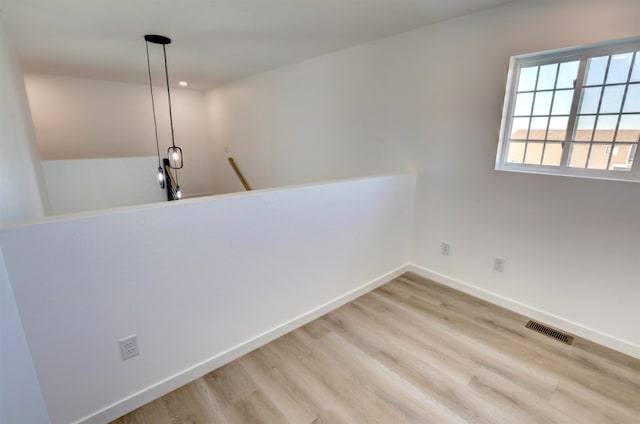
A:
(174, 153)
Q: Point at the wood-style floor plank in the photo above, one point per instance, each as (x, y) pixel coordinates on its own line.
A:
(411, 351)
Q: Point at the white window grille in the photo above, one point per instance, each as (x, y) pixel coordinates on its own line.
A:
(574, 112)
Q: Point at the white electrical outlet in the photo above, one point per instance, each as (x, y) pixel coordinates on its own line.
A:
(129, 347)
(445, 249)
(498, 264)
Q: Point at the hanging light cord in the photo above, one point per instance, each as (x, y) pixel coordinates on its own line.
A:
(153, 105)
(166, 74)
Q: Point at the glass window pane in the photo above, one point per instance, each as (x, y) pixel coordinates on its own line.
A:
(622, 157)
(552, 154)
(632, 102)
(558, 128)
(538, 129)
(568, 74)
(599, 157)
(534, 153)
(606, 111)
(596, 69)
(516, 152)
(590, 100)
(605, 128)
(528, 77)
(562, 102)
(578, 155)
(619, 68)
(519, 128)
(524, 101)
(584, 128)
(542, 104)
(629, 129)
(635, 74)
(612, 99)
(547, 77)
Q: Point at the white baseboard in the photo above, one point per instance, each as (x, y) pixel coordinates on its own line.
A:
(171, 383)
(520, 308)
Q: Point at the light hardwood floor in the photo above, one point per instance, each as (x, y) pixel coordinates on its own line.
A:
(411, 351)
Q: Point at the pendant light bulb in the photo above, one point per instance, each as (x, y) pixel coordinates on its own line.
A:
(161, 177)
(178, 192)
(174, 154)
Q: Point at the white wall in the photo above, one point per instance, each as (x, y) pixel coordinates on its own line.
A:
(570, 244)
(22, 193)
(223, 178)
(199, 281)
(431, 99)
(91, 184)
(20, 198)
(20, 397)
(331, 117)
(78, 118)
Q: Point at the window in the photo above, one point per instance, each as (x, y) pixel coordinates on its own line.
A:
(574, 112)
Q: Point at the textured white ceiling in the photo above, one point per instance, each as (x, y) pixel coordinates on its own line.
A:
(214, 42)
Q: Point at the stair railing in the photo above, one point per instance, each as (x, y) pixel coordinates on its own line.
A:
(244, 182)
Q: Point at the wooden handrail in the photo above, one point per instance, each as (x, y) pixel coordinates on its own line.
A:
(239, 174)
(170, 174)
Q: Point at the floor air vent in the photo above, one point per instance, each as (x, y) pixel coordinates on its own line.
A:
(543, 329)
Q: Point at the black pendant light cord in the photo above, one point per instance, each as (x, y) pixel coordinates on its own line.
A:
(166, 73)
(153, 106)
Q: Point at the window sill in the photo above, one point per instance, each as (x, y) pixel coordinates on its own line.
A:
(569, 172)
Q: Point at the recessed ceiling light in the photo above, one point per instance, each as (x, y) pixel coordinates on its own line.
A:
(183, 83)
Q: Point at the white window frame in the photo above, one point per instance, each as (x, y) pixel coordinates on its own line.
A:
(581, 53)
